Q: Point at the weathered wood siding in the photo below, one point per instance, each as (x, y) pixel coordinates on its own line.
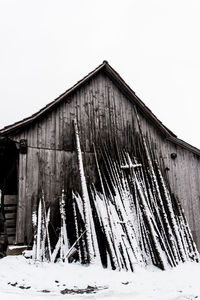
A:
(103, 114)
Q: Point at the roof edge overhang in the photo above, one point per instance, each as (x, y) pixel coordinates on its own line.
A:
(125, 89)
(10, 128)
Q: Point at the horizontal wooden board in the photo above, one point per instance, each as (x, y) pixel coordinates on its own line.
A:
(10, 208)
(10, 215)
(10, 223)
(11, 231)
(104, 114)
(10, 199)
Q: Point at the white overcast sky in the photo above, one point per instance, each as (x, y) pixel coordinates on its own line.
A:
(46, 46)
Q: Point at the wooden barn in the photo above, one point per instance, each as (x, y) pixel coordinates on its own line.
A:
(39, 153)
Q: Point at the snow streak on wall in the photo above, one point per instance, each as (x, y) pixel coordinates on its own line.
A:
(133, 216)
(127, 217)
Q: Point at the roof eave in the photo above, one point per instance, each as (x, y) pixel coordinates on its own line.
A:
(10, 128)
(115, 77)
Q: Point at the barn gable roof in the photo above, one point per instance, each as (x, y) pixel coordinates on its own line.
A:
(125, 89)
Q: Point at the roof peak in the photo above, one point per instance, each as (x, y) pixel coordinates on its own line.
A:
(128, 92)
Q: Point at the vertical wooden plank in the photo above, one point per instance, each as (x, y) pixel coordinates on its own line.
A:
(102, 111)
(21, 207)
(65, 128)
(43, 132)
(57, 128)
(31, 189)
(62, 133)
(53, 130)
(39, 134)
(29, 185)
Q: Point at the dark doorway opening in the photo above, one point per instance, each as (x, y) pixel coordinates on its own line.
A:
(8, 191)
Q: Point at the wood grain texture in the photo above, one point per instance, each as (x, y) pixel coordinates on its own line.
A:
(10, 199)
(104, 115)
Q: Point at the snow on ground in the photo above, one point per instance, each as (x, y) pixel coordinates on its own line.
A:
(19, 278)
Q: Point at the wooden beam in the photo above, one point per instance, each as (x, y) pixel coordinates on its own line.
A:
(10, 199)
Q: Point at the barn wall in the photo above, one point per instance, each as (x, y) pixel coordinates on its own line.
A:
(103, 113)
(50, 171)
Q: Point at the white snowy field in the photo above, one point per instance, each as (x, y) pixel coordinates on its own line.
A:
(19, 278)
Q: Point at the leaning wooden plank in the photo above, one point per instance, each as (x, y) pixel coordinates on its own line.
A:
(47, 232)
(103, 220)
(165, 217)
(193, 252)
(79, 204)
(154, 235)
(80, 214)
(34, 221)
(156, 206)
(63, 221)
(121, 200)
(127, 229)
(97, 258)
(45, 235)
(82, 242)
(74, 244)
(56, 250)
(106, 202)
(39, 228)
(172, 217)
(85, 196)
(76, 226)
(121, 237)
(63, 231)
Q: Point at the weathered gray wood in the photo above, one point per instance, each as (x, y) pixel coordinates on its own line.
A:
(10, 208)
(11, 223)
(21, 208)
(104, 113)
(11, 240)
(11, 231)
(11, 215)
(10, 199)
